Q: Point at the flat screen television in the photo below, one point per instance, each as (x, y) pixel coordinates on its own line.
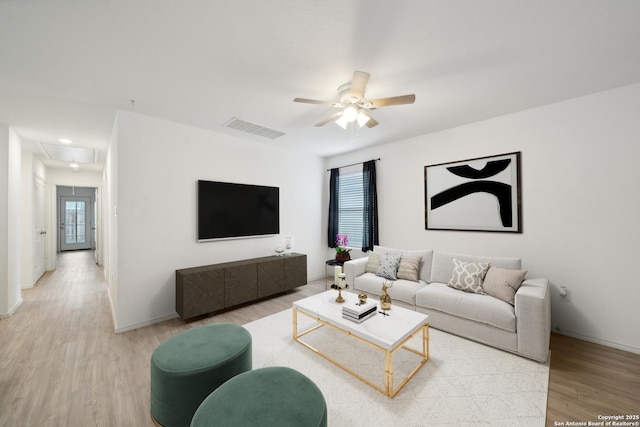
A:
(230, 211)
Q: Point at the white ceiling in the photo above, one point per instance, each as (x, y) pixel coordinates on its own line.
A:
(67, 66)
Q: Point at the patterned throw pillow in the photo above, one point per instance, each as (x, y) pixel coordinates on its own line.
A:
(409, 268)
(503, 284)
(388, 267)
(468, 276)
(373, 263)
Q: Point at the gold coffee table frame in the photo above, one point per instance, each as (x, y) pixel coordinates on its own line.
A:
(388, 389)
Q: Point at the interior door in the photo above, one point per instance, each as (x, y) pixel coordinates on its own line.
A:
(39, 228)
(75, 223)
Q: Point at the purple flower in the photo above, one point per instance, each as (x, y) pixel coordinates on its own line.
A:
(342, 240)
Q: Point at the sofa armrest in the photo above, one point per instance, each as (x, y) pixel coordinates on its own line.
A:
(533, 317)
(354, 268)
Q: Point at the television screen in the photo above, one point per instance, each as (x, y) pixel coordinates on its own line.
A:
(227, 210)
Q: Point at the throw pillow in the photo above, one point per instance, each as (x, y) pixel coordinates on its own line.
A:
(468, 276)
(409, 268)
(373, 263)
(388, 267)
(503, 284)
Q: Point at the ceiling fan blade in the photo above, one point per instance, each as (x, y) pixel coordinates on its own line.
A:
(333, 117)
(358, 84)
(372, 122)
(313, 101)
(395, 100)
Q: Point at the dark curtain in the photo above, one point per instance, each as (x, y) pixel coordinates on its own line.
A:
(370, 211)
(333, 207)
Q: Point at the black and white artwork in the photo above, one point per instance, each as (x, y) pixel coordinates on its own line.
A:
(480, 194)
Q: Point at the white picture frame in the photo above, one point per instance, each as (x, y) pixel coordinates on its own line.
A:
(480, 194)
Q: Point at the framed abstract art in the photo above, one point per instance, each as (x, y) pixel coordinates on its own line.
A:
(481, 194)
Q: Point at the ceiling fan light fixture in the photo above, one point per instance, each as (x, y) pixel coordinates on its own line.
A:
(342, 121)
(362, 118)
(353, 106)
(350, 113)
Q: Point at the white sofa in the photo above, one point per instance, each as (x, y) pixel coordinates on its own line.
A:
(522, 328)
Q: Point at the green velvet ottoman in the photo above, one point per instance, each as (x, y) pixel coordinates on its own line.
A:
(186, 368)
(274, 396)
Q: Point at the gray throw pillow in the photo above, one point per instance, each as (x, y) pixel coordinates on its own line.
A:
(468, 276)
(388, 267)
(503, 284)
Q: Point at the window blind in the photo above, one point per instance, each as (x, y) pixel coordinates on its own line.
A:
(351, 202)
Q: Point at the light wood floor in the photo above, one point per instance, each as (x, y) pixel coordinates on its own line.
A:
(62, 365)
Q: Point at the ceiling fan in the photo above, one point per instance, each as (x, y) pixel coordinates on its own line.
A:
(354, 107)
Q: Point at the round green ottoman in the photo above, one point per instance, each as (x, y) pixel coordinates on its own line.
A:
(186, 368)
(274, 396)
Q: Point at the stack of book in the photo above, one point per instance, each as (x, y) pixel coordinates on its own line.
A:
(357, 312)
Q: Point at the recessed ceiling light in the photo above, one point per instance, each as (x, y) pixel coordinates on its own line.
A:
(74, 165)
(65, 140)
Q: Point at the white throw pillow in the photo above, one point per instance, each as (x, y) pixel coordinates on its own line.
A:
(468, 276)
(372, 263)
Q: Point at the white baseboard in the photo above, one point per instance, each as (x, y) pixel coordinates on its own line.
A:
(599, 341)
(147, 323)
(12, 309)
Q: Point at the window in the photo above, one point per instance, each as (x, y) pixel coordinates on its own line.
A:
(351, 202)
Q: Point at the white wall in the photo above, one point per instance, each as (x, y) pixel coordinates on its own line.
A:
(10, 234)
(110, 219)
(580, 201)
(158, 165)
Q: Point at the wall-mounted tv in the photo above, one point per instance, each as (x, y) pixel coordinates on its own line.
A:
(230, 211)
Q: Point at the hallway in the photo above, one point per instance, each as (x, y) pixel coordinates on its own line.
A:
(62, 364)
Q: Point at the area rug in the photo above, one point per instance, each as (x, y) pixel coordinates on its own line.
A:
(463, 383)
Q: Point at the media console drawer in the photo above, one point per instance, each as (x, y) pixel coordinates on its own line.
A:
(206, 289)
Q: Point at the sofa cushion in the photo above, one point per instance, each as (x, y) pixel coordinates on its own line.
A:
(409, 268)
(476, 307)
(402, 290)
(426, 255)
(503, 284)
(468, 276)
(388, 267)
(442, 265)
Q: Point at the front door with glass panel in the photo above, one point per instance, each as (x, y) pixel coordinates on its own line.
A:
(75, 223)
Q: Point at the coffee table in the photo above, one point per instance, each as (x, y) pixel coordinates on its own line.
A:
(386, 332)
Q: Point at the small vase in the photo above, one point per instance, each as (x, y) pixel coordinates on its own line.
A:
(362, 298)
(385, 300)
(343, 257)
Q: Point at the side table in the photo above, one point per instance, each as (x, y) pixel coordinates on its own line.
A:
(333, 264)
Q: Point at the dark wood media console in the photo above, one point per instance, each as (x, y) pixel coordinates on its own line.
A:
(206, 289)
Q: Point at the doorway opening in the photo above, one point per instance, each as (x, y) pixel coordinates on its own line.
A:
(76, 218)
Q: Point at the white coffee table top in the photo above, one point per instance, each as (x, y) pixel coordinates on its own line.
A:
(386, 331)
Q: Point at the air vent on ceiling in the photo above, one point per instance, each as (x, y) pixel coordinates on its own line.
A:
(243, 126)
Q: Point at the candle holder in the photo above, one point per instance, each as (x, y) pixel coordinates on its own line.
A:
(341, 284)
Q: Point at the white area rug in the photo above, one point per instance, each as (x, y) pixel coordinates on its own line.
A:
(463, 383)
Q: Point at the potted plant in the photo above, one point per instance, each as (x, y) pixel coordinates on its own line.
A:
(342, 252)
